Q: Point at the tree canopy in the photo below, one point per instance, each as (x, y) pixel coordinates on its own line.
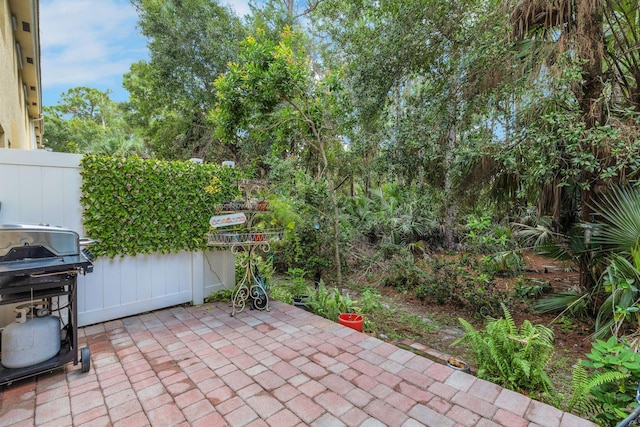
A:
(190, 44)
(502, 105)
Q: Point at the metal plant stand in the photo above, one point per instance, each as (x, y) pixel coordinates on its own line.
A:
(251, 289)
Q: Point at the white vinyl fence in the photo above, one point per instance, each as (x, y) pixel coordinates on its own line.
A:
(40, 187)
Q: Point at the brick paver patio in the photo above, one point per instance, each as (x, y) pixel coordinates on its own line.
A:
(198, 366)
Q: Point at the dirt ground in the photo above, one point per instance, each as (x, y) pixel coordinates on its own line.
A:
(572, 336)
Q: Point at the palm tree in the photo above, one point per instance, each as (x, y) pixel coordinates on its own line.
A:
(604, 38)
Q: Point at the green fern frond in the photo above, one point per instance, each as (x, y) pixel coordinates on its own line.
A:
(524, 366)
(510, 323)
(582, 401)
(604, 378)
(510, 356)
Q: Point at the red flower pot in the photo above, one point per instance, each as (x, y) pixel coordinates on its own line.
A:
(351, 320)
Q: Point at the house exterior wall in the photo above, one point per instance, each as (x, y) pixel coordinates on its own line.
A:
(21, 122)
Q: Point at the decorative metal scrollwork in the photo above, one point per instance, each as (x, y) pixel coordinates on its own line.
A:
(252, 288)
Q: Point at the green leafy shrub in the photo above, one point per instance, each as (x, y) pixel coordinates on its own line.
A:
(369, 301)
(403, 273)
(137, 206)
(440, 282)
(504, 264)
(281, 291)
(452, 282)
(531, 288)
(329, 303)
(484, 236)
(615, 399)
(299, 285)
(222, 295)
(512, 357)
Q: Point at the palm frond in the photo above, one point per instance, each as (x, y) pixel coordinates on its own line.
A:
(620, 225)
(561, 302)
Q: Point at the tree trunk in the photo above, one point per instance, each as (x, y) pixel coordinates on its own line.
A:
(590, 47)
(336, 211)
(324, 169)
(336, 230)
(450, 218)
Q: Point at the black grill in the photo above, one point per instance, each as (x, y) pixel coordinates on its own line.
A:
(40, 262)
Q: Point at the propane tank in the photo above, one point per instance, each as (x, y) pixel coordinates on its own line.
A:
(33, 338)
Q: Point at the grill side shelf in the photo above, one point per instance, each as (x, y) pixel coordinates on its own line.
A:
(43, 265)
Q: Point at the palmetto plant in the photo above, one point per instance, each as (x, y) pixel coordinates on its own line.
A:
(621, 279)
(619, 228)
(569, 248)
(618, 236)
(613, 250)
(392, 215)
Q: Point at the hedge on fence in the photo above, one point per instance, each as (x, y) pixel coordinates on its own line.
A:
(137, 206)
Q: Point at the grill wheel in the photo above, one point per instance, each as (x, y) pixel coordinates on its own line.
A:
(85, 359)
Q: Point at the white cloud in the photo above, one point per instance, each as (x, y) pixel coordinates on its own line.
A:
(92, 43)
(88, 43)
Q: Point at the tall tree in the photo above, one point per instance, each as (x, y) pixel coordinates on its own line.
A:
(86, 120)
(411, 67)
(190, 44)
(271, 94)
(588, 44)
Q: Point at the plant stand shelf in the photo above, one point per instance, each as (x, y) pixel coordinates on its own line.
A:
(251, 289)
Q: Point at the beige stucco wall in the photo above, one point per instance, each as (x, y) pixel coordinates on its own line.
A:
(20, 123)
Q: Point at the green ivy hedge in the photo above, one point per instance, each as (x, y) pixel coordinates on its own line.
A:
(139, 206)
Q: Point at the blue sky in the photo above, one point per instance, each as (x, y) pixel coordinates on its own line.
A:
(92, 43)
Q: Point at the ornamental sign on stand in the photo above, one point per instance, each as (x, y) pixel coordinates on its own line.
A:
(226, 220)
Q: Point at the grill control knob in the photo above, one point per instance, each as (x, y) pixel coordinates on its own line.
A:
(87, 254)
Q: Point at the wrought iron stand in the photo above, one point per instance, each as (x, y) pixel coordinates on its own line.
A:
(251, 288)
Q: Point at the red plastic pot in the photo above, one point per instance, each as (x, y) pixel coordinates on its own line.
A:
(351, 320)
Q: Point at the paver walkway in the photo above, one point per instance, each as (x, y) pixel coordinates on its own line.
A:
(197, 366)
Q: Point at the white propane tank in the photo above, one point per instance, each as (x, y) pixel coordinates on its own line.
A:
(30, 340)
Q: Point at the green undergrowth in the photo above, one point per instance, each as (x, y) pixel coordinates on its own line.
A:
(384, 317)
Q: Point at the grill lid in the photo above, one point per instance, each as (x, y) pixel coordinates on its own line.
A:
(56, 240)
(39, 250)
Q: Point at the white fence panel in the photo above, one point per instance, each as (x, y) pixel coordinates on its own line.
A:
(125, 286)
(39, 187)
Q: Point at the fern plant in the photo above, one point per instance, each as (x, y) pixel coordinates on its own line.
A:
(513, 357)
(583, 401)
